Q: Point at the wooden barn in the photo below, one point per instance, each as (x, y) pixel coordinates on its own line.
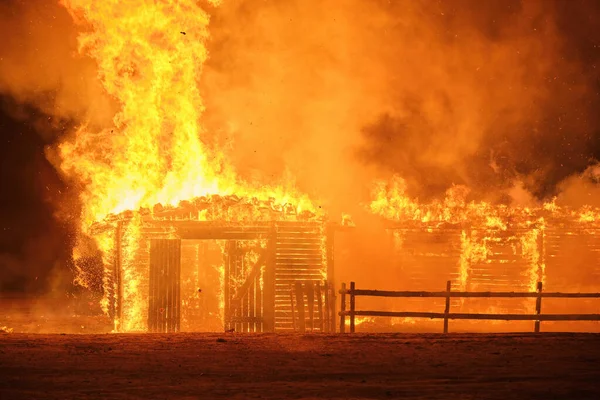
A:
(215, 264)
(513, 254)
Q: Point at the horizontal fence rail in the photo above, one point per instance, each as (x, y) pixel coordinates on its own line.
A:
(538, 317)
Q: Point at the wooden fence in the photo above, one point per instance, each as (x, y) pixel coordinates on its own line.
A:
(316, 295)
(447, 315)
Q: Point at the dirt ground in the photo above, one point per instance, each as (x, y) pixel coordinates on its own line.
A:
(312, 366)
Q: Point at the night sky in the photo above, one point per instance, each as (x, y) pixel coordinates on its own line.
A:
(36, 239)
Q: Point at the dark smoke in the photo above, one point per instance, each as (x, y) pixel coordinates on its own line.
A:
(542, 131)
(35, 243)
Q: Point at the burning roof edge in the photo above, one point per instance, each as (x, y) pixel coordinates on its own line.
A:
(221, 211)
(499, 218)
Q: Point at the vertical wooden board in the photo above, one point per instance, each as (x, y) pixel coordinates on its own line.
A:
(246, 299)
(227, 287)
(330, 252)
(310, 300)
(269, 284)
(259, 304)
(162, 286)
(152, 286)
(178, 287)
(538, 306)
(300, 306)
(319, 296)
(326, 309)
(352, 307)
(293, 307)
(343, 309)
(168, 286)
(447, 308)
(251, 307)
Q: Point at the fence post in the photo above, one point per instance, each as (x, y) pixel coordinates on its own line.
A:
(343, 309)
(352, 306)
(447, 309)
(538, 306)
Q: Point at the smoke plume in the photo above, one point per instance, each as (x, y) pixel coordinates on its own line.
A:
(486, 94)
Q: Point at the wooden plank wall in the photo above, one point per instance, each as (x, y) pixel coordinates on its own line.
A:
(298, 258)
(164, 300)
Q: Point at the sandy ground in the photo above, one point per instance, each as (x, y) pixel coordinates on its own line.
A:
(360, 366)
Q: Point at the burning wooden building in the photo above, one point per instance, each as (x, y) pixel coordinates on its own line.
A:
(215, 263)
(483, 247)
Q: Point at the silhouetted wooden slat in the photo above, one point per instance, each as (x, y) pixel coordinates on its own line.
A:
(447, 309)
(259, 304)
(329, 255)
(343, 312)
(310, 301)
(152, 297)
(352, 307)
(538, 306)
(300, 305)
(227, 288)
(169, 287)
(162, 286)
(319, 295)
(292, 304)
(326, 309)
(269, 284)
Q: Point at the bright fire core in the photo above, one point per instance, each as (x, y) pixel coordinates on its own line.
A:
(149, 56)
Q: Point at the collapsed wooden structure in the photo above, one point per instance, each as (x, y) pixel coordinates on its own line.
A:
(261, 256)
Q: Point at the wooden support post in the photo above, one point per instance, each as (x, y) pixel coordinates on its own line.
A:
(319, 295)
(269, 283)
(352, 307)
(538, 306)
(300, 304)
(292, 304)
(343, 309)
(447, 310)
(310, 301)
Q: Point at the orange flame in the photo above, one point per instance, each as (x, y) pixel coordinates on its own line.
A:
(149, 56)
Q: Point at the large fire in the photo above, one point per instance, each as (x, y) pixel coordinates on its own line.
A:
(149, 55)
(157, 155)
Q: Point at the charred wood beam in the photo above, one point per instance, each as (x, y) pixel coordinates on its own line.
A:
(243, 290)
